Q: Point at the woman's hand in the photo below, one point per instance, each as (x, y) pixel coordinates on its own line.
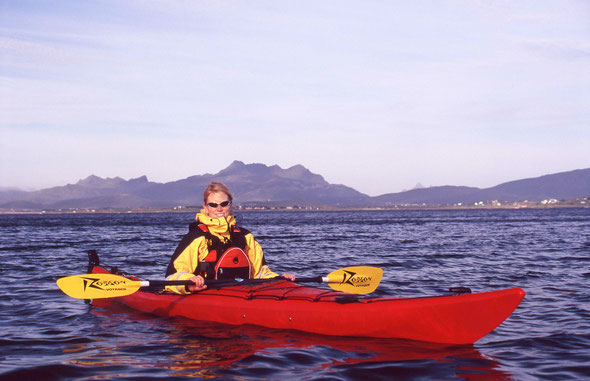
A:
(199, 282)
(291, 277)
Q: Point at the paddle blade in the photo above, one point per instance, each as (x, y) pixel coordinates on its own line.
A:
(356, 280)
(96, 286)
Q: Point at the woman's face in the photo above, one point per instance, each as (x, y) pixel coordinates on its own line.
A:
(214, 205)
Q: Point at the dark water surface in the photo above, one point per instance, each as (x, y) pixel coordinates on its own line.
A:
(47, 335)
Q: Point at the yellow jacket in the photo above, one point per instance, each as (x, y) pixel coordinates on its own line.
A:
(191, 251)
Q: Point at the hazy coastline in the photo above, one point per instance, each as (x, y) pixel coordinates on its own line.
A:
(570, 204)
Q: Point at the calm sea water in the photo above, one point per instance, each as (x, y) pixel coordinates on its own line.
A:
(47, 335)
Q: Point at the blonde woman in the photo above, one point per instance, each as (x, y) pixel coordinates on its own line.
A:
(216, 248)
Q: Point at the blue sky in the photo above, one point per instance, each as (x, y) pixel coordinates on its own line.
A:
(377, 95)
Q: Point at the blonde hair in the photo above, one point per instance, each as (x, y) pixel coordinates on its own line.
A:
(216, 188)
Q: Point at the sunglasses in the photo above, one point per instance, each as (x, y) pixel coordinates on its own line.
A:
(215, 205)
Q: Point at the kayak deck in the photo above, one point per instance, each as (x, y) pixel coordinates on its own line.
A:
(453, 319)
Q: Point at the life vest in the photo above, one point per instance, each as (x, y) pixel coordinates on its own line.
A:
(225, 260)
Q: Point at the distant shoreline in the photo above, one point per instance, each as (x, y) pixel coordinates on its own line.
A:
(281, 209)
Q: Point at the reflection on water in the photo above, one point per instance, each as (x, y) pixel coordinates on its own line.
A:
(203, 349)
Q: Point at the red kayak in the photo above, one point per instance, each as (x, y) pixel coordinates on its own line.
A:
(453, 319)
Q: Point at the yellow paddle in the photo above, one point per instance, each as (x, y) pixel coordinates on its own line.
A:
(354, 280)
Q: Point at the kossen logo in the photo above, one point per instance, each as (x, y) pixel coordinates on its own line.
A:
(350, 277)
(103, 285)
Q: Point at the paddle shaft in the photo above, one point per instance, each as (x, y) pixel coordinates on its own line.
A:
(219, 282)
(315, 279)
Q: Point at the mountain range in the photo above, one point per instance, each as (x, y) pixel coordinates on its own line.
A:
(258, 185)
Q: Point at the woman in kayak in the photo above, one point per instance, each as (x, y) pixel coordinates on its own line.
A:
(216, 248)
